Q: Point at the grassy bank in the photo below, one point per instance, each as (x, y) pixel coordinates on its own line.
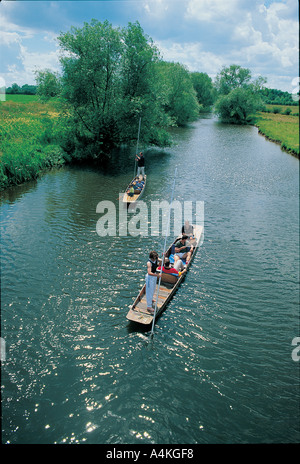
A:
(29, 139)
(280, 128)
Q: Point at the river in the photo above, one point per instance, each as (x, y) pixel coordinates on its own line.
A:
(219, 367)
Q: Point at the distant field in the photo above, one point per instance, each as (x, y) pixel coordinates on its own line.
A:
(21, 98)
(282, 108)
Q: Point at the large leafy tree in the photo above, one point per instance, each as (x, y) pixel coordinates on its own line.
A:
(238, 93)
(109, 83)
(90, 84)
(141, 93)
(231, 78)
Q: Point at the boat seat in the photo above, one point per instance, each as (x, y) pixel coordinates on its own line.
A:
(168, 278)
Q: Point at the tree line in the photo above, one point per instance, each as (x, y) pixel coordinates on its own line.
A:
(25, 89)
(113, 76)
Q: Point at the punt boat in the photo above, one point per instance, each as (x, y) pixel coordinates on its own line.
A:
(167, 286)
(127, 199)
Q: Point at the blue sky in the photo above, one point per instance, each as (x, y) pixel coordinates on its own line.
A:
(204, 35)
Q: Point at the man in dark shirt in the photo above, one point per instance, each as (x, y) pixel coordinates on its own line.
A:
(141, 164)
(183, 251)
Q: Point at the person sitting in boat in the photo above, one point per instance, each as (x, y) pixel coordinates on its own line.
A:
(182, 250)
(130, 191)
(141, 164)
(168, 269)
(139, 185)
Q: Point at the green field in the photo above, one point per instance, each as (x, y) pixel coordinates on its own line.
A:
(282, 108)
(30, 137)
(21, 98)
(281, 128)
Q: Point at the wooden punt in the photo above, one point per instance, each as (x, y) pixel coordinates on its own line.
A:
(168, 286)
(137, 193)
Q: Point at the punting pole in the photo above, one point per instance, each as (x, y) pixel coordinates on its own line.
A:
(163, 257)
(137, 147)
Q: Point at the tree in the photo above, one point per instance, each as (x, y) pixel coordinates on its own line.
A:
(204, 89)
(109, 83)
(237, 107)
(48, 84)
(180, 96)
(90, 84)
(28, 89)
(141, 91)
(238, 95)
(231, 78)
(15, 89)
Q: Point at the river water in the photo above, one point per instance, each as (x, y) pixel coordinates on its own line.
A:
(219, 367)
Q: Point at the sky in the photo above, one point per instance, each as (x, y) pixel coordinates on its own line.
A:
(203, 35)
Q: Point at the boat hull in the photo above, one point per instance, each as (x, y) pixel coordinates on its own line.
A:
(127, 199)
(167, 288)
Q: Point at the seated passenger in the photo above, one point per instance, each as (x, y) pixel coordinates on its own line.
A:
(178, 264)
(167, 268)
(139, 185)
(130, 191)
(183, 251)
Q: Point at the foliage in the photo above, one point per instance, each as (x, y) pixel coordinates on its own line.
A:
(48, 84)
(231, 78)
(181, 102)
(29, 141)
(204, 88)
(108, 83)
(277, 97)
(238, 95)
(26, 89)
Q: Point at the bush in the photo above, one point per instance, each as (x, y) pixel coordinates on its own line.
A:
(238, 106)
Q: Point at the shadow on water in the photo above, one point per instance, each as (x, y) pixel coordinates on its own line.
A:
(11, 194)
(121, 161)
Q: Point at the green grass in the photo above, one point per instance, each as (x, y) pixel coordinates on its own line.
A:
(21, 98)
(283, 108)
(280, 128)
(30, 140)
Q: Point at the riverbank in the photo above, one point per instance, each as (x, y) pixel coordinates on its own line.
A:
(31, 134)
(30, 140)
(280, 128)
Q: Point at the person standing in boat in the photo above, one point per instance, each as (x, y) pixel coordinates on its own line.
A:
(188, 229)
(141, 164)
(151, 278)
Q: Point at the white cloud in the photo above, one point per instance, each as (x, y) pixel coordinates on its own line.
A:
(192, 56)
(211, 10)
(38, 60)
(24, 50)
(204, 35)
(264, 33)
(156, 8)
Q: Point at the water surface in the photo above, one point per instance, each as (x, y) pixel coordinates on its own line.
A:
(219, 368)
